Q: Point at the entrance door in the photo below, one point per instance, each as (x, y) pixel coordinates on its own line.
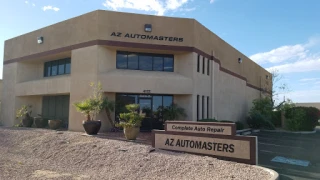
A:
(56, 107)
(145, 108)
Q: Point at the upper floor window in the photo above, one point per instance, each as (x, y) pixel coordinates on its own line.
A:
(57, 67)
(198, 63)
(144, 61)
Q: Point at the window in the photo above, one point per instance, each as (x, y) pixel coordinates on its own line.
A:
(145, 61)
(203, 64)
(155, 108)
(198, 63)
(57, 67)
(197, 107)
(133, 61)
(203, 107)
(157, 63)
(208, 109)
(208, 67)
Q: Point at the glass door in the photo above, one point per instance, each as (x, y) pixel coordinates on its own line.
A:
(145, 108)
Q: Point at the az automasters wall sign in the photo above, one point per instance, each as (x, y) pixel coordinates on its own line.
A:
(201, 127)
(145, 36)
(209, 139)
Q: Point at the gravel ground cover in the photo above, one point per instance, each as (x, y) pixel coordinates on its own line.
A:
(28, 153)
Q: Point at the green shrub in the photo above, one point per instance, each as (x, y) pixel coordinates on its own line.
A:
(207, 120)
(239, 125)
(257, 120)
(276, 118)
(307, 121)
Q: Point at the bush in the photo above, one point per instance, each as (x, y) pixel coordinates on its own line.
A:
(239, 125)
(258, 121)
(295, 122)
(306, 118)
(276, 118)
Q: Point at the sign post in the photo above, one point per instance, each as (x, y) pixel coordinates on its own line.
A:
(205, 138)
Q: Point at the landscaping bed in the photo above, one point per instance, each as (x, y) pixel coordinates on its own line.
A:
(28, 153)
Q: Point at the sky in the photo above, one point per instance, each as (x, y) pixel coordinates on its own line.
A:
(278, 35)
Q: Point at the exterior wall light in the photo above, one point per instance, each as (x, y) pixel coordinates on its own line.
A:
(147, 28)
(40, 40)
(239, 60)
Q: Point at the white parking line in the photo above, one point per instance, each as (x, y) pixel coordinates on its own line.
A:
(280, 145)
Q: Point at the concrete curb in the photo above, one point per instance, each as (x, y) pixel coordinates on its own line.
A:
(292, 132)
(274, 174)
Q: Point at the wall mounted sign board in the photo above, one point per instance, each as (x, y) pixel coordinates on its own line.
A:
(201, 127)
(242, 149)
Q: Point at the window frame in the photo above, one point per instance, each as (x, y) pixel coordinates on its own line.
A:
(208, 100)
(203, 107)
(153, 56)
(198, 63)
(203, 65)
(48, 65)
(198, 107)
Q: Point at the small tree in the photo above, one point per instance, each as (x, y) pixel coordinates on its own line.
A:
(93, 105)
(173, 112)
(132, 118)
(278, 88)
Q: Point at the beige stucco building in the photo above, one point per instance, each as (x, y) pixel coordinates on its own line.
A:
(179, 61)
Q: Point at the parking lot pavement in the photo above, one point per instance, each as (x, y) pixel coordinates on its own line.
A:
(300, 152)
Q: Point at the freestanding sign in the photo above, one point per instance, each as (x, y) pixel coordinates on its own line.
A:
(212, 139)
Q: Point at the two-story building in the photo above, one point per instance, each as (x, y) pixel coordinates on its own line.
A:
(150, 60)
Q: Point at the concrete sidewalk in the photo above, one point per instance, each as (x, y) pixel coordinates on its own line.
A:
(295, 147)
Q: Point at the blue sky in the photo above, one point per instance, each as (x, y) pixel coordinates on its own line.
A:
(282, 35)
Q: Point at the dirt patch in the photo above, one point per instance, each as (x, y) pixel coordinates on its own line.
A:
(45, 154)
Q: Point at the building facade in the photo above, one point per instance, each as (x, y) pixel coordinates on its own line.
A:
(150, 60)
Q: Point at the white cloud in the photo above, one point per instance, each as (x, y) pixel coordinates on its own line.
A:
(27, 2)
(33, 4)
(160, 7)
(298, 66)
(212, 1)
(309, 79)
(286, 53)
(280, 54)
(50, 8)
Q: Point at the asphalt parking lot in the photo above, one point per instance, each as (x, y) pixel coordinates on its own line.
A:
(293, 156)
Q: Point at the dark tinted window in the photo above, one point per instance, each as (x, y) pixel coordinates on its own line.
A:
(208, 107)
(208, 67)
(167, 101)
(54, 68)
(47, 69)
(122, 61)
(61, 67)
(158, 63)
(68, 66)
(203, 107)
(133, 61)
(57, 67)
(145, 63)
(198, 63)
(197, 107)
(203, 65)
(168, 64)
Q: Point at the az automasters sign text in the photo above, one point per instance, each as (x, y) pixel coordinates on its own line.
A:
(149, 37)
